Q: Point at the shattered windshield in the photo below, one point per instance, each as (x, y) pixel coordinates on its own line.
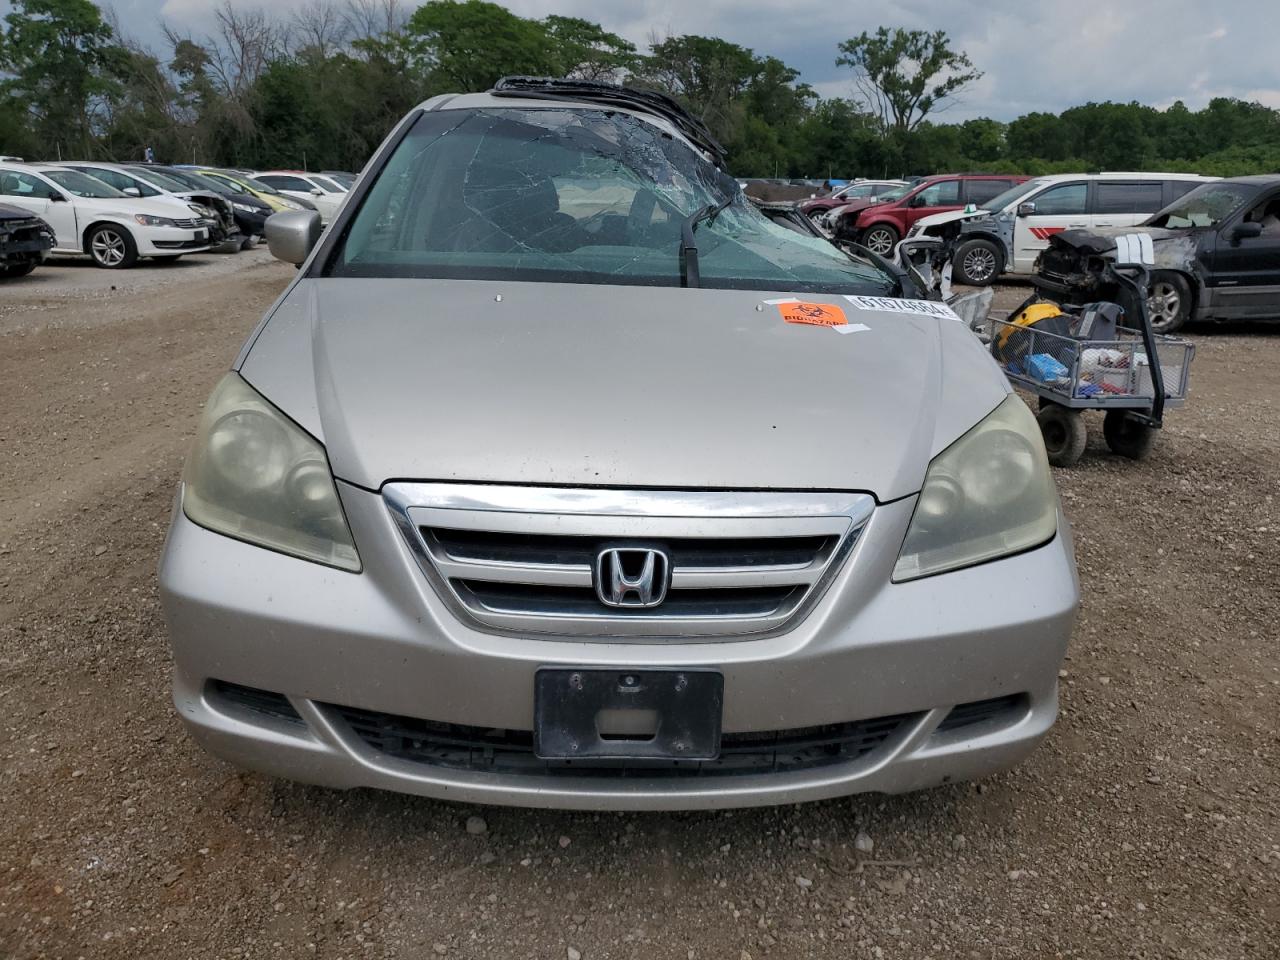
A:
(1205, 206)
(574, 196)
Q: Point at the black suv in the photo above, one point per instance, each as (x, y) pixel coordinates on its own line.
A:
(1217, 255)
(24, 240)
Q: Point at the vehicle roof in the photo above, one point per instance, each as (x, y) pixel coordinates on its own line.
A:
(481, 101)
(1119, 175)
(1256, 180)
(974, 176)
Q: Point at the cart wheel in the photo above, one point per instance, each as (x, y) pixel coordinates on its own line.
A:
(1064, 434)
(1127, 436)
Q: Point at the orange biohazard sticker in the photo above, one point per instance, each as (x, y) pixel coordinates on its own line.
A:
(817, 314)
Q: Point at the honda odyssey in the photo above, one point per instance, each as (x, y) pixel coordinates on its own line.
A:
(560, 476)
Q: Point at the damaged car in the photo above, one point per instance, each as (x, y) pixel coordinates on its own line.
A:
(562, 476)
(24, 241)
(1216, 256)
(1010, 231)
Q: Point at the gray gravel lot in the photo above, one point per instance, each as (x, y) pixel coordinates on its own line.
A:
(1148, 825)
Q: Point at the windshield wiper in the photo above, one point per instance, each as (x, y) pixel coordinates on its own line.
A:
(689, 246)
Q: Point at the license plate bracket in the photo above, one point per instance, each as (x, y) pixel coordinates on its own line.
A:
(627, 714)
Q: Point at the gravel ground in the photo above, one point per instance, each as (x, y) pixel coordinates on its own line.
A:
(1146, 826)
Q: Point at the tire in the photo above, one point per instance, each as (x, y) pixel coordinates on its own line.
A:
(1127, 437)
(248, 242)
(879, 239)
(112, 247)
(978, 262)
(1168, 301)
(1064, 434)
(12, 271)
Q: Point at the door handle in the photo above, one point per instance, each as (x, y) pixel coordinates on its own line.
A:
(1085, 224)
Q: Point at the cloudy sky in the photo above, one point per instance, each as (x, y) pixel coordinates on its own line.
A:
(1036, 55)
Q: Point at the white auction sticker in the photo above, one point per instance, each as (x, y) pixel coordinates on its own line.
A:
(923, 308)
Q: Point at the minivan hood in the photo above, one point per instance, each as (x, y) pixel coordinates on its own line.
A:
(625, 386)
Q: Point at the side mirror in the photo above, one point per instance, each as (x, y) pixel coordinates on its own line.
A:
(917, 200)
(291, 235)
(56, 197)
(131, 192)
(317, 192)
(1026, 209)
(1246, 231)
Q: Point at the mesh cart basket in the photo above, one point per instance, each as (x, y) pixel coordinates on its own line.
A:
(1133, 376)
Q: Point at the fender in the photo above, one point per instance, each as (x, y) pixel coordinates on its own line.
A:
(99, 221)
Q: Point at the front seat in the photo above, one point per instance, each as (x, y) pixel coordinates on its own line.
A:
(520, 208)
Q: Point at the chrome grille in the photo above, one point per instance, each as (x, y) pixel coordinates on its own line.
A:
(521, 560)
(187, 223)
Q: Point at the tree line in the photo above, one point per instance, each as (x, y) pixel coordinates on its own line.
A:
(321, 87)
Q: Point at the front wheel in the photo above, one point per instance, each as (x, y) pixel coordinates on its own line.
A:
(1126, 436)
(112, 247)
(978, 262)
(1168, 301)
(1064, 432)
(880, 239)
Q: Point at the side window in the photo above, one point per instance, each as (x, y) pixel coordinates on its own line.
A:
(1267, 213)
(980, 191)
(1064, 200)
(1112, 197)
(941, 194)
(1178, 188)
(287, 183)
(118, 180)
(14, 184)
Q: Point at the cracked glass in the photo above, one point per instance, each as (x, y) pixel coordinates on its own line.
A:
(581, 195)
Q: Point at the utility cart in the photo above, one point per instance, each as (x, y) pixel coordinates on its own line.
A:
(1077, 358)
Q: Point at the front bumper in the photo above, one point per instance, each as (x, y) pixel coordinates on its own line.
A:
(163, 241)
(383, 641)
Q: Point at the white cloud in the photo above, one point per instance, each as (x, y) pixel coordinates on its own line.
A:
(1036, 55)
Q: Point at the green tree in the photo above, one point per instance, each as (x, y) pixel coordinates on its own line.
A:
(59, 57)
(586, 51)
(707, 74)
(905, 75)
(467, 45)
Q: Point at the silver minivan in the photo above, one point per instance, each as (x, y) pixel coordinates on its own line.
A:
(560, 476)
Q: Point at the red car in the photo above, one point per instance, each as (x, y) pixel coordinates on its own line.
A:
(879, 226)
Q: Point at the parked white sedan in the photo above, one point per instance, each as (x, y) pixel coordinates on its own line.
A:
(94, 218)
(325, 193)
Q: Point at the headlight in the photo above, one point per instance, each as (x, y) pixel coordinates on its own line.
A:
(256, 476)
(987, 495)
(201, 210)
(149, 221)
(291, 204)
(244, 208)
